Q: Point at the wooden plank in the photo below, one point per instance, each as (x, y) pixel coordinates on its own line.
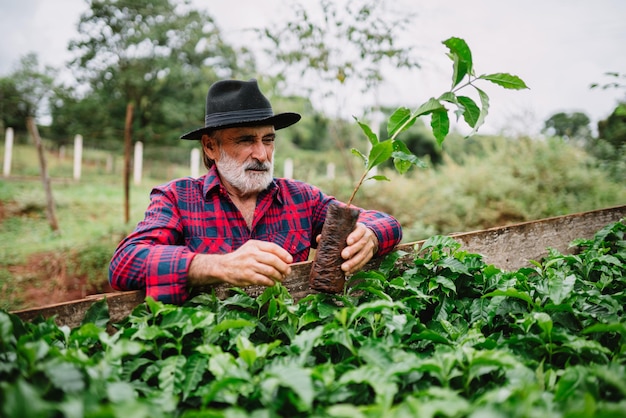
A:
(509, 248)
(72, 313)
(512, 247)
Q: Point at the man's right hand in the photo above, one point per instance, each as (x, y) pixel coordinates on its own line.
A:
(254, 263)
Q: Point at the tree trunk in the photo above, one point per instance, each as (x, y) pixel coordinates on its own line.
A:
(128, 146)
(50, 212)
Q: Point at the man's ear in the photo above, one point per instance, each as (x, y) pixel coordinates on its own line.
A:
(209, 146)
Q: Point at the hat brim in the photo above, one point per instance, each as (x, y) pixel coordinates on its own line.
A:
(280, 121)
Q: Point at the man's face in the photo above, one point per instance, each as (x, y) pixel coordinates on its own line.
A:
(244, 157)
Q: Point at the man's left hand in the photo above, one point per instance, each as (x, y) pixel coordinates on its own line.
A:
(362, 246)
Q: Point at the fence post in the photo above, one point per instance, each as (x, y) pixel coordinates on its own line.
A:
(138, 162)
(109, 164)
(288, 169)
(330, 171)
(8, 152)
(78, 156)
(195, 162)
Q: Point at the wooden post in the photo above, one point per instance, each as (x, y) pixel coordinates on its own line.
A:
(109, 164)
(330, 171)
(138, 163)
(78, 156)
(195, 162)
(34, 133)
(8, 152)
(128, 145)
(288, 169)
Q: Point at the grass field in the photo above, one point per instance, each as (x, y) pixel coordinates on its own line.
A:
(482, 184)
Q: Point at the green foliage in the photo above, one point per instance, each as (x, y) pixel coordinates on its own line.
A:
(569, 125)
(367, 34)
(160, 56)
(11, 114)
(441, 334)
(403, 118)
(490, 181)
(613, 129)
(618, 81)
(25, 92)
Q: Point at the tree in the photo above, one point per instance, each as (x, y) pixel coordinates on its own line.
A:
(570, 126)
(348, 42)
(26, 92)
(11, 113)
(160, 55)
(613, 128)
(336, 50)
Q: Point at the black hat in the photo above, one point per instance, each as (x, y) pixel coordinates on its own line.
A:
(231, 103)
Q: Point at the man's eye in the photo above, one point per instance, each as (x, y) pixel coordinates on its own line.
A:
(268, 141)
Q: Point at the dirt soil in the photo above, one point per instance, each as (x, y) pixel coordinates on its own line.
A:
(44, 280)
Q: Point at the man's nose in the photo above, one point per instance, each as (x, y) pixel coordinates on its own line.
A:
(259, 151)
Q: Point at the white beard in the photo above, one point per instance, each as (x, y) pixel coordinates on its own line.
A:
(249, 177)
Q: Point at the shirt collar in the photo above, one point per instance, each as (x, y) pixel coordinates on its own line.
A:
(212, 184)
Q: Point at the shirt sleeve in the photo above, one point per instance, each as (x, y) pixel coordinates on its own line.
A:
(154, 256)
(386, 227)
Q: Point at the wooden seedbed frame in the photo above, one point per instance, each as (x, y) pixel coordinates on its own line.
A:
(508, 248)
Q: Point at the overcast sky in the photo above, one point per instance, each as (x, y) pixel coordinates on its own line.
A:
(558, 47)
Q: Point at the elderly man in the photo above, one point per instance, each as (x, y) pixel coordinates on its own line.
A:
(237, 223)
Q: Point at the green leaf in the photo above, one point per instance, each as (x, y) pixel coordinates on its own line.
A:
(151, 333)
(403, 158)
(291, 376)
(508, 81)
(231, 324)
(430, 106)
(371, 136)
(448, 97)
(602, 328)
(360, 155)
(384, 387)
(461, 56)
(379, 178)
(512, 293)
(560, 288)
(440, 125)
(171, 375)
(544, 321)
(65, 376)
(97, 314)
(471, 112)
(119, 392)
(368, 308)
(6, 329)
(613, 374)
(21, 399)
(194, 372)
(454, 265)
(440, 241)
(484, 101)
(379, 153)
(567, 386)
(399, 121)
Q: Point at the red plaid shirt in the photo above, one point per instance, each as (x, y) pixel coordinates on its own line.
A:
(189, 216)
